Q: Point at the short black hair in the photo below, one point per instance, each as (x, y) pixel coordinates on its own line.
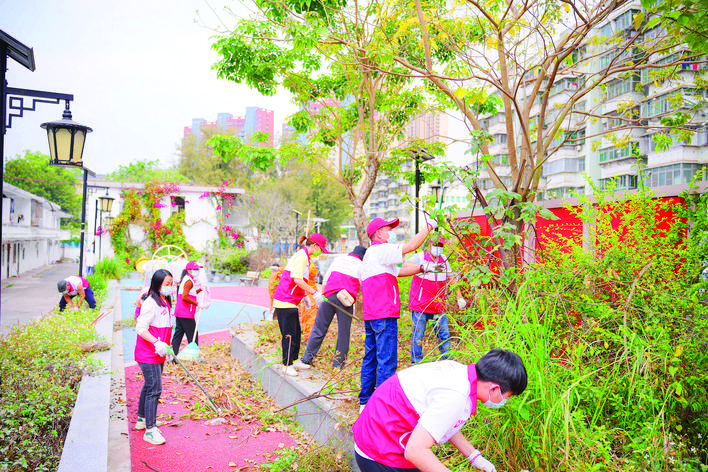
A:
(505, 368)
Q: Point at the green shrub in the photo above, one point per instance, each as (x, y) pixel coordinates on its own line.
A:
(41, 366)
(230, 260)
(113, 268)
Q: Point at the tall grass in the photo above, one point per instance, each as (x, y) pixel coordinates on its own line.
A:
(614, 342)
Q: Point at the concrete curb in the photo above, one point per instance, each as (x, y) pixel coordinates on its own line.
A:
(86, 444)
(316, 416)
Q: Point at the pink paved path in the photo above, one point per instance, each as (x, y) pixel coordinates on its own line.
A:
(193, 445)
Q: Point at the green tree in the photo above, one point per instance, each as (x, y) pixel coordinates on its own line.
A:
(144, 171)
(544, 67)
(201, 166)
(687, 19)
(320, 196)
(60, 185)
(351, 115)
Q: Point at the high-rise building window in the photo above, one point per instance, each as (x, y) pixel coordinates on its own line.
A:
(674, 174)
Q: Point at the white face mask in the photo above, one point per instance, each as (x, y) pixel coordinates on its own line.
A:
(490, 404)
(392, 238)
(166, 291)
(436, 251)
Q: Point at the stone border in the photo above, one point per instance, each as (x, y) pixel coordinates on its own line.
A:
(316, 416)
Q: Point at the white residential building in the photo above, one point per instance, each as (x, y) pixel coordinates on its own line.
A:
(31, 231)
(205, 208)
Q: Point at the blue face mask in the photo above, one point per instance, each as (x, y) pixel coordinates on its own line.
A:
(392, 238)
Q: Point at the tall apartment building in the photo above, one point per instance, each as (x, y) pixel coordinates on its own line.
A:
(385, 199)
(255, 120)
(597, 156)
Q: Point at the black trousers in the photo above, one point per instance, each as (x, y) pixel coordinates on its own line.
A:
(183, 326)
(366, 465)
(290, 330)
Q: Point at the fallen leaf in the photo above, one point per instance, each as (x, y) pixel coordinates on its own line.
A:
(232, 464)
(233, 437)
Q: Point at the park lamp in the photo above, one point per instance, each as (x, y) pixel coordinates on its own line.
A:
(105, 203)
(435, 187)
(108, 223)
(66, 140)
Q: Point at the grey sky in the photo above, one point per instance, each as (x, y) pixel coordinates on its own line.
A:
(139, 70)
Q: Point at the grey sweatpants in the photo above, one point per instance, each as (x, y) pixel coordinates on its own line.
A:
(325, 314)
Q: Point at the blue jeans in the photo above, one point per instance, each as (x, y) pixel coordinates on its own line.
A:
(380, 355)
(150, 393)
(420, 320)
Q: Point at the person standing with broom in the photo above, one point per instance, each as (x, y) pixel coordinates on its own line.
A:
(292, 289)
(154, 328)
(186, 306)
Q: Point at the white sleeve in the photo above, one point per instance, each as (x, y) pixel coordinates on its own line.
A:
(390, 254)
(417, 258)
(445, 411)
(147, 313)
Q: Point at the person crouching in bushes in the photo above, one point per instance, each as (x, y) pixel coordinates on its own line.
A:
(429, 404)
(186, 306)
(292, 289)
(154, 329)
(74, 286)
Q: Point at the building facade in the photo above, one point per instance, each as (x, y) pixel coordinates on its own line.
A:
(615, 140)
(255, 120)
(31, 232)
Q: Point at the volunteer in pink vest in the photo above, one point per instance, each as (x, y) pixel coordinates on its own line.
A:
(428, 300)
(72, 286)
(341, 287)
(428, 404)
(186, 306)
(381, 301)
(291, 289)
(154, 328)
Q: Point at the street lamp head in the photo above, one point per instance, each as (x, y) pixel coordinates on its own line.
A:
(435, 187)
(108, 223)
(105, 203)
(66, 140)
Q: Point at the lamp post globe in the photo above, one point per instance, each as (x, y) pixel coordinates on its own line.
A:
(66, 140)
(105, 204)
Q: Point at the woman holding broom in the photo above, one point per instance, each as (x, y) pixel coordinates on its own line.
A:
(186, 306)
(293, 288)
(154, 328)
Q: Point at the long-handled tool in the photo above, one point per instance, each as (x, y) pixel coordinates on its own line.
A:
(196, 382)
(191, 351)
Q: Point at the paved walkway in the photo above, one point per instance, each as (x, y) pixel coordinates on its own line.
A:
(192, 445)
(31, 295)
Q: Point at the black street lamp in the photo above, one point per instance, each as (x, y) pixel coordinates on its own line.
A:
(104, 203)
(419, 156)
(66, 137)
(437, 188)
(66, 140)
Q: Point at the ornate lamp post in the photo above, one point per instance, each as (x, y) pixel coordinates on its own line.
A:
(104, 203)
(419, 156)
(66, 137)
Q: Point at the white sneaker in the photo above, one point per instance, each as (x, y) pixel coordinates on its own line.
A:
(153, 436)
(141, 424)
(290, 370)
(299, 365)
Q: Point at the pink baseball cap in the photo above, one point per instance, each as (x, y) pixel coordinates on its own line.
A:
(192, 265)
(378, 223)
(320, 240)
(440, 242)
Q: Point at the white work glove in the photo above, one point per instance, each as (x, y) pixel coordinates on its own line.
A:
(75, 308)
(319, 299)
(430, 221)
(480, 462)
(461, 303)
(306, 302)
(160, 348)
